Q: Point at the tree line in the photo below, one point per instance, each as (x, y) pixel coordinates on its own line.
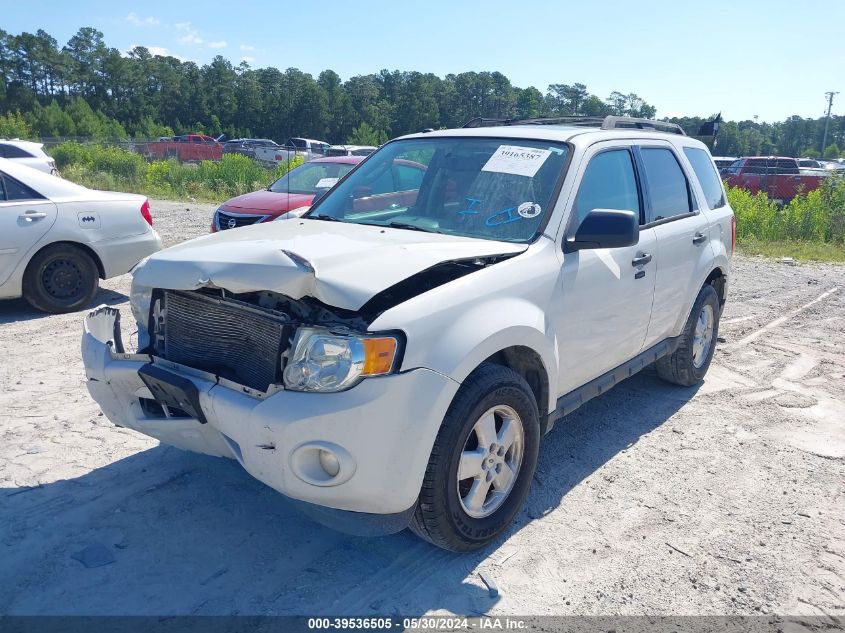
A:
(88, 89)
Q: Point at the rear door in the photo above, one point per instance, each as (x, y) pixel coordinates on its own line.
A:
(681, 233)
(25, 217)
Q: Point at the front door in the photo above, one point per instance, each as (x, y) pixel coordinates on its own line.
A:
(25, 217)
(604, 295)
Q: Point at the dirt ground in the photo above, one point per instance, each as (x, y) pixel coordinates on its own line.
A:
(728, 498)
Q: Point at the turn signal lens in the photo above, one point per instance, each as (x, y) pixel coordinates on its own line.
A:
(378, 355)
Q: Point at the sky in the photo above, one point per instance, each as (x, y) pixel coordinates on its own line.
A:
(772, 59)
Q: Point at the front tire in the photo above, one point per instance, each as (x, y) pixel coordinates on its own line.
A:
(482, 462)
(60, 278)
(688, 364)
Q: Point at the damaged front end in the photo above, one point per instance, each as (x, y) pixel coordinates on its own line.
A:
(265, 341)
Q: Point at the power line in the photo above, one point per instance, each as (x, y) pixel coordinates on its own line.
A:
(829, 96)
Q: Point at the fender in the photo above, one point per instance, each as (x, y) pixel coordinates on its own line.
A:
(455, 327)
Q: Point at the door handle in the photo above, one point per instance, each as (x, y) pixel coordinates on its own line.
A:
(29, 216)
(641, 260)
(698, 238)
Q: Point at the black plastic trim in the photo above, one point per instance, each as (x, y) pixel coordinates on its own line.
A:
(577, 397)
(356, 523)
(681, 216)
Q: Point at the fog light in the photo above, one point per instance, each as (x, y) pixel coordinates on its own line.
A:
(329, 462)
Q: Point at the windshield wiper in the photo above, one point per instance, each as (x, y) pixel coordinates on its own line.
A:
(321, 216)
(410, 227)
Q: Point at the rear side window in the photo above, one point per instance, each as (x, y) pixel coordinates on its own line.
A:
(667, 185)
(709, 180)
(12, 151)
(608, 183)
(15, 190)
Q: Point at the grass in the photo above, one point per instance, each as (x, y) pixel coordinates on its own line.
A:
(800, 250)
(117, 169)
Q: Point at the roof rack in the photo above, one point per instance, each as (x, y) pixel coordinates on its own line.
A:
(604, 123)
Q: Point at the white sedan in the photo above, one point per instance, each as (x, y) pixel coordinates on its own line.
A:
(58, 239)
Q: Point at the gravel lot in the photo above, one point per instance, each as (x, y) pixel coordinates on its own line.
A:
(721, 499)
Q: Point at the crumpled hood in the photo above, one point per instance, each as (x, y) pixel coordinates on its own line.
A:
(341, 264)
(268, 201)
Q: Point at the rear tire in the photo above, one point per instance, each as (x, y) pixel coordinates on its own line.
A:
(491, 430)
(61, 278)
(688, 364)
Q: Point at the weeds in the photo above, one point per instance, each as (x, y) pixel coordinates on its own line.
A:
(114, 168)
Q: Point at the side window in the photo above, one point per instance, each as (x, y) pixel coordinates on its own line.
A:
(609, 182)
(12, 151)
(709, 180)
(2, 189)
(409, 177)
(667, 185)
(2, 151)
(15, 190)
(756, 167)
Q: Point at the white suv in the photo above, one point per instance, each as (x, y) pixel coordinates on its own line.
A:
(395, 359)
(29, 154)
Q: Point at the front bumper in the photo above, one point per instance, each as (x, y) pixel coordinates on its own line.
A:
(381, 430)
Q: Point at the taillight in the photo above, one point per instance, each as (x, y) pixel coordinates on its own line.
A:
(279, 157)
(733, 233)
(145, 212)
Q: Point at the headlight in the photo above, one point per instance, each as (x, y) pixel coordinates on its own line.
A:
(323, 361)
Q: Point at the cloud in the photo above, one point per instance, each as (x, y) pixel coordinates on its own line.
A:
(247, 59)
(191, 35)
(220, 44)
(135, 20)
(247, 47)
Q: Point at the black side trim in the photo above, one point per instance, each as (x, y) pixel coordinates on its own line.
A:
(680, 216)
(574, 399)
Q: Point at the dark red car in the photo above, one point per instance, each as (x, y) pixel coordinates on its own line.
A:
(299, 187)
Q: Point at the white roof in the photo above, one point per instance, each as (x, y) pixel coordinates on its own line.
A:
(55, 188)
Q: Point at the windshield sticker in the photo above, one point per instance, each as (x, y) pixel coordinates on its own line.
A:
(472, 206)
(326, 183)
(556, 150)
(529, 210)
(519, 161)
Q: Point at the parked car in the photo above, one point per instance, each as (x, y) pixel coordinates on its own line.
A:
(779, 177)
(298, 188)
(351, 150)
(309, 146)
(390, 363)
(186, 148)
(29, 154)
(249, 146)
(811, 167)
(723, 161)
(57, 239)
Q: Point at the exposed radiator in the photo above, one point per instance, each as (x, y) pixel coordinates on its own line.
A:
(231, 339)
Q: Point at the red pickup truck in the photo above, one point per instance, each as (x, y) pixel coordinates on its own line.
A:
(780, 178)
(188, 147)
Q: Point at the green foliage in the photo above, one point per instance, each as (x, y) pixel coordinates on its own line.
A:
(114, 168)
(366, 135)
(831, 151)
(13, 125)
(818, 216)
(89, 90)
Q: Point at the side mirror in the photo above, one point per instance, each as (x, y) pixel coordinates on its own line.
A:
(605, 228)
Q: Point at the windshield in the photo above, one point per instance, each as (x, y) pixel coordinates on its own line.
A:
(496, 189)
(308, 177)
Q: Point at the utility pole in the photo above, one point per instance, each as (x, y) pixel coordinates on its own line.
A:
(829, 96)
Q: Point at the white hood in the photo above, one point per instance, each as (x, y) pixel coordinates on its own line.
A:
(341, 264)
